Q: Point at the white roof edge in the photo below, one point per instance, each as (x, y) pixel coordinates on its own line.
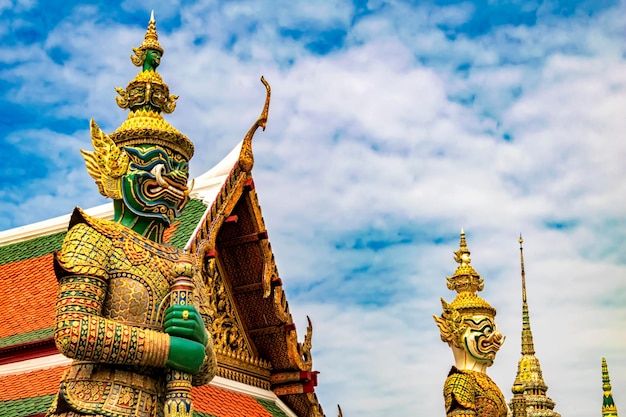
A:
(47, 227)
(53, 361)
(45, 362)
(206, 187)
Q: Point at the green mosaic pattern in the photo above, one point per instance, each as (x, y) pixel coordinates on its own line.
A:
(20, 339)
(271, 407)
(199, 414)
(43, 245)
(33, 248)
(189, 219)
(26, 406)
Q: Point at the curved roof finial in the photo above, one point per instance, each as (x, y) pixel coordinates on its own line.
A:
(246, 157)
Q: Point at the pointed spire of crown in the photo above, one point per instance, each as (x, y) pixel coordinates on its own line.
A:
(465, 278)
(528, 346)
(147, 96)
(466, 282)
(463, 243)
(150, 41)
(608, 405)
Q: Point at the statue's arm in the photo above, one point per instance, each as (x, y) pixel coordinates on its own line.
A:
(82, 333)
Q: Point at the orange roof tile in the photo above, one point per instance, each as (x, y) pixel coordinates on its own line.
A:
(27, 301)
(224, 403)
(170, 231)
(31, 384)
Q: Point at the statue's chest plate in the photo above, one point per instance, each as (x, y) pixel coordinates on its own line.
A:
(489, 398)
(139, 281)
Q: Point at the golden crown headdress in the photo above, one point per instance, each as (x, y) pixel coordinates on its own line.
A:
(146, 96)
(466, 282)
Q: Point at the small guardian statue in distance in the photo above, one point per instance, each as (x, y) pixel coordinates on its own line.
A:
(467, 325)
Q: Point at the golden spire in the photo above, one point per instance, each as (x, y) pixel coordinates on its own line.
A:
(528, 347)
(608, 405)
(466, 282)
(529, 389)
(150, 41)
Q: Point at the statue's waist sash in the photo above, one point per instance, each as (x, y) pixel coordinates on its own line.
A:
(99, 389)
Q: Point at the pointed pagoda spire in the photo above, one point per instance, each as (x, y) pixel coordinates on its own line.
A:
(608, 405)
(528, 346)
(529, 389)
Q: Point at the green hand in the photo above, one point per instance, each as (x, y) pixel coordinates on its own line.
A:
(185, 321)
(185, 355)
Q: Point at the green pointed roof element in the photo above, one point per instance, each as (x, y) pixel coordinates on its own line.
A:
(529, 389)
(608, 405)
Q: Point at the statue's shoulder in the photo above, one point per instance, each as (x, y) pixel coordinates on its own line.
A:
(86, 246)
(81, 221)
(459, 388)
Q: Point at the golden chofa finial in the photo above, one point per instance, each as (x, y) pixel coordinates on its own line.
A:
(465, 278)
(246, 157)
(150, 43)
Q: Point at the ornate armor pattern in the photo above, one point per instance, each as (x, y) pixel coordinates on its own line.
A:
(470, 393)
(113, 290)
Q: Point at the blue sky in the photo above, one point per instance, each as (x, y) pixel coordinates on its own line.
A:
(393, 124)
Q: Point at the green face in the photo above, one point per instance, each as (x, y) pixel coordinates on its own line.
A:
(155, 185)
(152, 61)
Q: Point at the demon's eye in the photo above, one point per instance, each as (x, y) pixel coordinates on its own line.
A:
(146, 158)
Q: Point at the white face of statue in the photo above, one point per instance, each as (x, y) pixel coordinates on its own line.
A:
(481, 339)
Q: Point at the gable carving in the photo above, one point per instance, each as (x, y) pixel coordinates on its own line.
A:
(236, 357)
